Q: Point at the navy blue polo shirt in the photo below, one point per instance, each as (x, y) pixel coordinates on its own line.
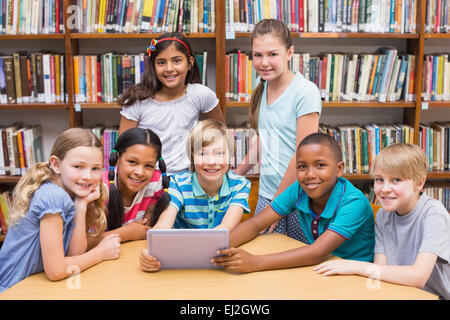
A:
(347, 212)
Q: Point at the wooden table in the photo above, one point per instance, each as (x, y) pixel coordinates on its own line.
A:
(123, 279)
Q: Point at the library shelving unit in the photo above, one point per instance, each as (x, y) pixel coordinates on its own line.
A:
(74, 43)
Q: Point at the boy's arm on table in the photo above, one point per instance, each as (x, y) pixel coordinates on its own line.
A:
(232, 218)
(236, 259)
(415, 275)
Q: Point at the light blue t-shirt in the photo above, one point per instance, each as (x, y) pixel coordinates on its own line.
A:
(198, 210)
(20, 255)
(277, 126)
(347, 213)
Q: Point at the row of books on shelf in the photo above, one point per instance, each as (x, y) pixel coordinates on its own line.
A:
(436, 74)
(440, 191)
(434, 140)
(384, 77)
(31, 16)
(360, 144)
(22, 145)
(34, 78)
(390, 16)
(436, 18)
(142, 16)
(102, 78)
(20, 148)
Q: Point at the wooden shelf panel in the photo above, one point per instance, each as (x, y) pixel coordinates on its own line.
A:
(437, 104)
(211, 35)
(99, 105)
(437, 35)
(34, 106)
(9, 179)
(344, 104)
(31, 36)
(2, 237)
(331, 35)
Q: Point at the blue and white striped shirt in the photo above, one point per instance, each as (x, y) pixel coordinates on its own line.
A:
(198, 210)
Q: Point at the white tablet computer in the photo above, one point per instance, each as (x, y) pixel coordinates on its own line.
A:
(186, 248)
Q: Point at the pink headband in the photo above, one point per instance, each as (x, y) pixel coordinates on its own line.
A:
(152, 46)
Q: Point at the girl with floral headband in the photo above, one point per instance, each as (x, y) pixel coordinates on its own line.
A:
(170, 98)
(137, 183)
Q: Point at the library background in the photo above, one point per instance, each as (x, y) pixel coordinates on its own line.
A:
(382, 67)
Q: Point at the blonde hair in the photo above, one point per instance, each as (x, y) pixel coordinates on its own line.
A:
(281, 31)
(403, 160)
(205, 133)
(41, 173)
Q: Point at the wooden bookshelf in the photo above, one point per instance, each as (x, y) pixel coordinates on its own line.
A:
(415, 44)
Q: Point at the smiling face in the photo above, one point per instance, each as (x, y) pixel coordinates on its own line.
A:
(211, 163)
(395, 193)
(270, 56)
(135, 168)
(171, 67)
(80, 171)
(317, 171)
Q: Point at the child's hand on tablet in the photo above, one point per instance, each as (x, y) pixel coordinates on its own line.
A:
(148, 262)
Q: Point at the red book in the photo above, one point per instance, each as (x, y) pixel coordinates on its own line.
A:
(57, 16)
(99, 80)
(301, 20)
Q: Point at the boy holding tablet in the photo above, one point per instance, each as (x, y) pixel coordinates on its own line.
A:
(208, 196)
(335, 216)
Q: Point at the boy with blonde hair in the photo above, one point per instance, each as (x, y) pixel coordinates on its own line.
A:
(412, 230)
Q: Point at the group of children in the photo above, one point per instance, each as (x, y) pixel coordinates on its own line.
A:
(168, 170)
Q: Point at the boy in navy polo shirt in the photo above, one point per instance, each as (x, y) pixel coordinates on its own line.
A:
(335, 216)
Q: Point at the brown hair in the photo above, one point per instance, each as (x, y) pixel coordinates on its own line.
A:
(278, 29)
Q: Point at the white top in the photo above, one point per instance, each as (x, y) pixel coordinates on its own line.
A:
(172, 121)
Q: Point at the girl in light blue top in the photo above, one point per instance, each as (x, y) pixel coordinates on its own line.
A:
(55, 203)
(284, 108)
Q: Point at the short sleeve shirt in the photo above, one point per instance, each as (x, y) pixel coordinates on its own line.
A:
(347, 212)
(277, 127)
(425, 229)
(20, 254)
(198, 210)
(172, 121)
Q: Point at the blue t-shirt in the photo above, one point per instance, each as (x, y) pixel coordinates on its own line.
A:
(347, 212)
(277, 127)
(20, 255)
(198, 210)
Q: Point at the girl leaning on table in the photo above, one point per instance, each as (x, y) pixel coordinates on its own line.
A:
(209, 184)
(55, 203)
(136, 181)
